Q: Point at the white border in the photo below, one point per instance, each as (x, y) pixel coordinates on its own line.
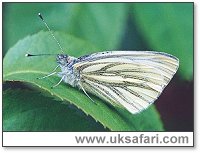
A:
(109, 138)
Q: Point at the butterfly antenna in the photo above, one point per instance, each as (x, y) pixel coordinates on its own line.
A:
(28, 55)
(40, 15)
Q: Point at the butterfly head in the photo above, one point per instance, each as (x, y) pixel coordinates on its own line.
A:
(63, 59)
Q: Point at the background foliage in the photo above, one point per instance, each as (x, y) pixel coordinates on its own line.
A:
(84, 28)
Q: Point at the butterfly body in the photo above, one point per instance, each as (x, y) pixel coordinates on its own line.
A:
(69, 75)
(129, 79)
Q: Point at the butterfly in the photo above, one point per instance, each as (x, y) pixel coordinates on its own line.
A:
(128, 79)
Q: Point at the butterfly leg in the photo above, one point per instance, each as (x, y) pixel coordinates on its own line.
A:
(47, 75)
(55, 68)
(63, 77)
(50, 74)
(86, 93)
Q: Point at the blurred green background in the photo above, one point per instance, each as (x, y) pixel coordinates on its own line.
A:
(166, 27)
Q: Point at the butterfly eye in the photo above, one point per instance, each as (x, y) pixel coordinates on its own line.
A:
(62, 59)
(61, 56)
(65, 56)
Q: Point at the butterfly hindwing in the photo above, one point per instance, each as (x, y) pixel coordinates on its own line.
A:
(131, 79)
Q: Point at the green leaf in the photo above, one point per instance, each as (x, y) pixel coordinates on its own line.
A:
(18, 67)
(25, 110)
(168, 27)
(18, 16)
(99, 23)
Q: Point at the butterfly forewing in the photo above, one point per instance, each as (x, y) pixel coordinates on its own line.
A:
(131, 79)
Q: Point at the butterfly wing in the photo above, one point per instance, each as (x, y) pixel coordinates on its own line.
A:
(131, 79)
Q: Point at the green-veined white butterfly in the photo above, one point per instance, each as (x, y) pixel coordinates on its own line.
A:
(128, 79)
